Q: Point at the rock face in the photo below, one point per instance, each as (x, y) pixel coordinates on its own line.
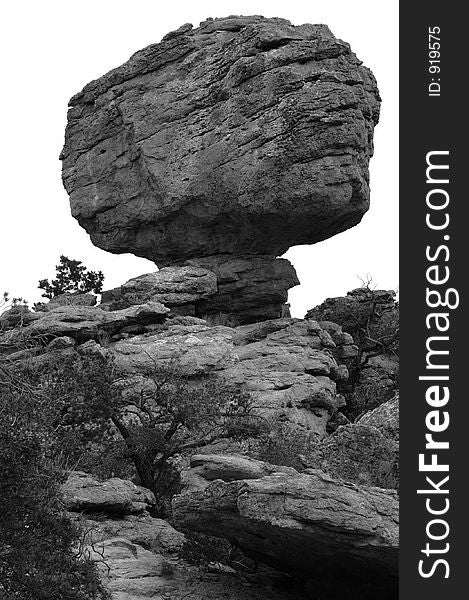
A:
(385, 418)
(287, 365)
(371, 317)
(178, 288)
(244, 136)
(306, 523)
(250, 288)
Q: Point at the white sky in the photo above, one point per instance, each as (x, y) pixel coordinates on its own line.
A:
(51, 49)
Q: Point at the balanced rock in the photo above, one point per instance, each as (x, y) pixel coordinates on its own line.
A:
(244, 136)
(307, 523)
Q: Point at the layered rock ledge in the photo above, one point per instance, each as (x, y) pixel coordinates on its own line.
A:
(240, 290)
(306, 522)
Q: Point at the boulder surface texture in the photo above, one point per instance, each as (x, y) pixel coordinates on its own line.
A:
(245, 136)
(307, 523)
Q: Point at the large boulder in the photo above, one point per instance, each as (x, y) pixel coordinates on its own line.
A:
(244, 136)
(84, 493)
(307, 523)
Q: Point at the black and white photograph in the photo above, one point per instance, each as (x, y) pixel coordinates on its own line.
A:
(200, 298)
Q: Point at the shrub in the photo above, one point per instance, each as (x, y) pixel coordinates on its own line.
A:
(359, 454)
(200, 549)
(176, 416)
(225, 319)
(38, 556)
(94, 421)
(284, 445)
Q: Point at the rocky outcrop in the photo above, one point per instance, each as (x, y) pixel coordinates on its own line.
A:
(179, 288)
(250, 288)
(307, 523)
(287, 365)
(244, 136)
(371, 317)
(87, 322)
(139, 556)
(385, 418)
(133, 572)
(82, 492)
(236, 290)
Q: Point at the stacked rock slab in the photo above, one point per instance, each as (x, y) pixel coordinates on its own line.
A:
(241, 290)
(230, 142)
(307, 523)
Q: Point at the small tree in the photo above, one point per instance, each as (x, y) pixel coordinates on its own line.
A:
(92, 419)
(177, 417)
(72, 277)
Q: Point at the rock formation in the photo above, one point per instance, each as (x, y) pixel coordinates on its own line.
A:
(211, 153)
(385, 418)
(140, 556)
(83, 493)
(307, 523)
(286, 364)
(371, 317)
(235, 140)
(240, 290)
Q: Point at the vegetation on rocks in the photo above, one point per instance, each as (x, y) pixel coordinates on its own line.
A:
(40, 555)
(72, 277)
